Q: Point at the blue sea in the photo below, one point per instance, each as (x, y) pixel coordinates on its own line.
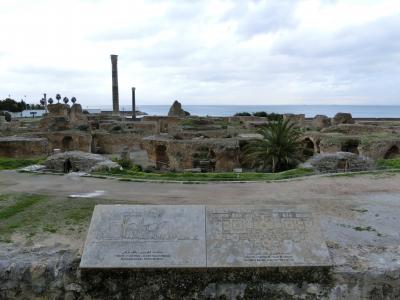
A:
(358, 111)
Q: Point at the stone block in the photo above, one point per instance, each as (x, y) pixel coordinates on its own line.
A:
(146, 236)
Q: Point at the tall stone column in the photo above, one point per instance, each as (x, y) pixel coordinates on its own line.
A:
(133, 104)
(114, 72)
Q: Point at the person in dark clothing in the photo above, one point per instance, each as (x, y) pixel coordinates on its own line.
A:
(67, 166)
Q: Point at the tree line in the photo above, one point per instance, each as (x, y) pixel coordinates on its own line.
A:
(269, 116)
(11, 105)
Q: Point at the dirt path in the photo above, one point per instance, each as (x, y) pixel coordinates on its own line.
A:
(309, 190)
(359, 215)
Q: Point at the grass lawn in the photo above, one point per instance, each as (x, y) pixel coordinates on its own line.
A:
(16, 163)
(127, 175)
(30, 214)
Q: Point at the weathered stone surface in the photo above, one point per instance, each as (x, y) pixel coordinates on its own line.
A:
(221, 155)
(64, 117)
(354, 129)
(138, 236)
(80, 161)
(145, 236)
(320, 121)
(77, 118)
(23, 147)
(263, 236)
(340, 162)
(297, 119)
(342, 118)
(177, 111)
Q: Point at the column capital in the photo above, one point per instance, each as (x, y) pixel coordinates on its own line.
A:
(114, 57)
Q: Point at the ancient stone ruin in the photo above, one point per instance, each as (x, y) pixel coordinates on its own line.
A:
(177, 111)
(78, 161)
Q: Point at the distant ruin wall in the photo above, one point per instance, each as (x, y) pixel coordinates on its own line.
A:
(23, 147)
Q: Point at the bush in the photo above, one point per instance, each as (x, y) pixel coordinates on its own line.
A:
(116, 128)
(6, 114)
(243, 114)
(260, 114)
(274, 117)
(270, 117)
(136, 168)
(125, 163)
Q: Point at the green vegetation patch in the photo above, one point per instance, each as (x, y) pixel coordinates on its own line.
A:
(16, 163)
(127, 175)
(20, 205)
(389, 163)
(30, 214)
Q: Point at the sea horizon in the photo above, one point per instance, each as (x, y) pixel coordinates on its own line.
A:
(310, 110)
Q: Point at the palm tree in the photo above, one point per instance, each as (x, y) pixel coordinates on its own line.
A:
(280, 148)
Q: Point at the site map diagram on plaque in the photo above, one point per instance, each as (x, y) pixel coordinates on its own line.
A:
(126, 236)
(199, 236)
(253, 236)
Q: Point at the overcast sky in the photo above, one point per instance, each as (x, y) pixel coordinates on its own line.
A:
(203, 52)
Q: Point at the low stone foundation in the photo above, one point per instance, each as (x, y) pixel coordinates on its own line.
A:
(54, 274)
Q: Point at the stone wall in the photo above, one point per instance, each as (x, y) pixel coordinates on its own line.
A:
(165, 124)
(221, 155)
(23, 147)
(70, 140)
(110, 143)
(340, 162)
(63, 117)
(55, 275)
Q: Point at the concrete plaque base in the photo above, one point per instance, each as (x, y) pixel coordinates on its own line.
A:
(198, 236)
(145, 236)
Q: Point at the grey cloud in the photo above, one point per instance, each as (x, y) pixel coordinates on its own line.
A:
(353, 54)
(183, 10)
(380, 37)
(268, 16)
(50, 71)
(137, 31)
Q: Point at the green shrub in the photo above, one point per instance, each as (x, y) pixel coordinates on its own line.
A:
(6, 114)
(389, 163)
(260, 114)
(136, 168)
(243, 114)
(125, 163)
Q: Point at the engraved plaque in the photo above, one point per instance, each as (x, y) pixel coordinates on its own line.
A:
(146, 236)
(262, 236)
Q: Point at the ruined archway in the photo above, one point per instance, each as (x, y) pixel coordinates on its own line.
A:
(342, 165)
(393, 152)
(67, 143)
(350, 146)
(205, 159)
(162, 161)
(308, 148)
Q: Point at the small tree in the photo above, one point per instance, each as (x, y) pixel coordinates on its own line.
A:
(58, 97)
(73, 100)
(280, 149)
(66, 100)
(50, 101)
